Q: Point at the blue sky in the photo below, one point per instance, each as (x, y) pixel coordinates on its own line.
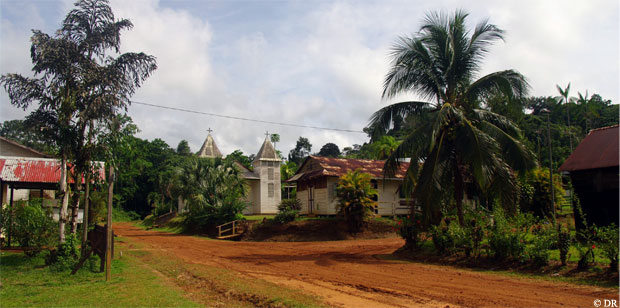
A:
(317, 63)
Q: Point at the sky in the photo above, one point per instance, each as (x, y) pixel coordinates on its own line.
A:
(313, 63)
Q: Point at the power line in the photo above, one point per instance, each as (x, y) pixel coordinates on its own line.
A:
(248, 119)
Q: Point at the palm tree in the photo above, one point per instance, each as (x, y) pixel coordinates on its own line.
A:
(453, 141)
(383, 147)
(564, 97)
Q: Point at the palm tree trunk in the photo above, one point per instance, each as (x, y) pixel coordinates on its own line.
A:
(62, 216)
(459, 192)
(75, 208)
(86, 214)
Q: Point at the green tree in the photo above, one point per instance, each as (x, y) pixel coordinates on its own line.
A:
(453, 136)
(564, 98)
(213, 190)
(183, 148)
(355, 198)
(384, 147)
(78, 86)
(329, 150)
(238, 156)
(26, 134)
(301, 151)
(275, 138)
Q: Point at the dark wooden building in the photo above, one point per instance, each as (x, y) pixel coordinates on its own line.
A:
(594, 172)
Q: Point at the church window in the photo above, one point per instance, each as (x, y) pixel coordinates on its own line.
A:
(270, 190)
(270, 174)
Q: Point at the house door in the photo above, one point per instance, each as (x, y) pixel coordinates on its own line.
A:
(310, 199)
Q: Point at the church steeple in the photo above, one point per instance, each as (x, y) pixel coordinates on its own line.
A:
(267, 151)
(209, 148)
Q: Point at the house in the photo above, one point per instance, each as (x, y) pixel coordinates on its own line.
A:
(26, 174)
(594, 170)
(265, 191)
(317, 178)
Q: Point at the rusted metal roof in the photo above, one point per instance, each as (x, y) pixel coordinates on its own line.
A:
(316, 166)
(599, 149)
(34, 170)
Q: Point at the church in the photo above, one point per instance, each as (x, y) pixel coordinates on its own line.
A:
(264, 187)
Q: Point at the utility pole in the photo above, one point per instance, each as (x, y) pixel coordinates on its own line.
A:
(108, 243)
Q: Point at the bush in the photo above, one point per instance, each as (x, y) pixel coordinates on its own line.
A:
(586, 247)
(289, 204)
(507, 240)
(410, 230)
(450, 238)
(535, 194)
(564, 241)
(30, 225)
(543, 240)
(355, 193)
(608, 243)
(285, 216)
(66, 255)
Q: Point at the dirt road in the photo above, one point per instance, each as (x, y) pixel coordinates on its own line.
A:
(352, 274)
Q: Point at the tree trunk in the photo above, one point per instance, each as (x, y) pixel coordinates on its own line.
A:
(108, 248)
(459, 193)
(62, 217)
(75, 208)
(85, 216)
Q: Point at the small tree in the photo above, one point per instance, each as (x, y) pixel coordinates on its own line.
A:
(355, 193)
(329, 150)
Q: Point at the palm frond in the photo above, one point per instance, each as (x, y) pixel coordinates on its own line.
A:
(509, 82)
(382, 120)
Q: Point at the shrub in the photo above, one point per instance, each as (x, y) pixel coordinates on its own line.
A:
(410, 230)
(30, 225)
(450, 238)
(543, 240)
(536, 193)
(65, 256)
(564, 241)
(586, 247)
(608, 243)
(290, 204)
(507, 240)
(285, 216)
(355, 192)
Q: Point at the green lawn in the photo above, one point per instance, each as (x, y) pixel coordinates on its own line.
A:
(26, 282)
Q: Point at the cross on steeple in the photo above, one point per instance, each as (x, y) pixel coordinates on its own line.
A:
(209, 130)
(267, 134)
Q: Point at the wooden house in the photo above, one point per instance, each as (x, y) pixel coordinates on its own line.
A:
(317, 178)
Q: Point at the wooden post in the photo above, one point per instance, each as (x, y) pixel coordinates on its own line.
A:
(108, 244)
(10, 228)
(85, 216)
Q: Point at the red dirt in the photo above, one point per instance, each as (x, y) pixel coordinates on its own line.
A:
(352, 273)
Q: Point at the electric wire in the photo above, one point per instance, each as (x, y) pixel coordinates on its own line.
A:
(248, 119)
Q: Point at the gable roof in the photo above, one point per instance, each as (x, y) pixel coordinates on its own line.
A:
(267, 152)
(329, 166)
(10, 143)
(599, 149)
(35, 170)
(209, 148)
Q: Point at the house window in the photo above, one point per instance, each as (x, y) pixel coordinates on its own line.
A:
(270, 190)
(270, 174)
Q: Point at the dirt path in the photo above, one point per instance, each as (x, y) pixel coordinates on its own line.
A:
(349, 273)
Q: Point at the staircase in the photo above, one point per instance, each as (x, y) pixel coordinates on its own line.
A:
(230, 230)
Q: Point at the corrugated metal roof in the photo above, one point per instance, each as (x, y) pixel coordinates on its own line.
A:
(599, 149)
(328, 166)
(34, 170)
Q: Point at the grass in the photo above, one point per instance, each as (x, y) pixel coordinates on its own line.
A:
(258, 217)
(26, 282)
(213, 286)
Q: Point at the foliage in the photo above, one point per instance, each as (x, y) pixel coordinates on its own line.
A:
(564, 241)
(66, 255)
(290, 204)
(183, 148)
(608, 243)
(410, 229)
(301, 151)
(30, 224)
(355, 193)
(358, 151)
(329, 150)
(238, 156)
(454, 137)
(450, 238)
(507, 238)
(22, 132)
(585, 246)
(543, 240)
(275, 138)
(286, 215)
(384, 147)
(536, 193)
(213, 190)
(120, 215)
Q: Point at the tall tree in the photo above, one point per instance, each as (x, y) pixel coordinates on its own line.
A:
(302, 150)
(455, 138)
(564, 97)
(183, 148)
(329, 150)
(275, 138)
(78, 85)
